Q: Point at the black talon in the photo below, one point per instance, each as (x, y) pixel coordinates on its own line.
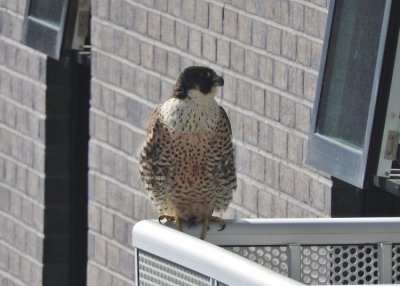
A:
(222, 228)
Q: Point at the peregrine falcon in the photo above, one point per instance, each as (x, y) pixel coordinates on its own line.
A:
(187, 161)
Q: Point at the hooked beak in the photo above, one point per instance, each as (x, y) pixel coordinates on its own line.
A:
(219, 81)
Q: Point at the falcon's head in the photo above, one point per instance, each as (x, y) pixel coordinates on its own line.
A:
(198, 78)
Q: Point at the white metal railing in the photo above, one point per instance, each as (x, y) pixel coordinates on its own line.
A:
(270, 252)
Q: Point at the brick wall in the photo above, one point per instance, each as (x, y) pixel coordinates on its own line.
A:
(268, 52)
(22, 152)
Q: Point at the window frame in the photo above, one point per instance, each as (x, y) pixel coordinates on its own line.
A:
(42, 36)
(326, 154)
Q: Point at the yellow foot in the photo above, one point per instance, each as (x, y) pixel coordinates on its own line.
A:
(206, 221)
(177, 220)
(166, 217)
(218, 220)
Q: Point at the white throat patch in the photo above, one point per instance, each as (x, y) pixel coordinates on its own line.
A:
(198, 112)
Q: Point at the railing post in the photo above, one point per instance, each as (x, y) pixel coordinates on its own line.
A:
(137, 266)
(294, 261)
(385, 262)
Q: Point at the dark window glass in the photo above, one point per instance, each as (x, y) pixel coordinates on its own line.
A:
(44, 25)
(349, 71)
(349, 81)
(47, 10)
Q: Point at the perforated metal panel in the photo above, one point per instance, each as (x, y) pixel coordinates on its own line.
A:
(396, 263)
(272, 257)
(347, 264)
(357, 251)
(315, 262)
(155, 271)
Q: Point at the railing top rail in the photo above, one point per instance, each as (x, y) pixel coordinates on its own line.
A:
(209, 259)
(302, 231)
(203, 257)
(310, 231)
